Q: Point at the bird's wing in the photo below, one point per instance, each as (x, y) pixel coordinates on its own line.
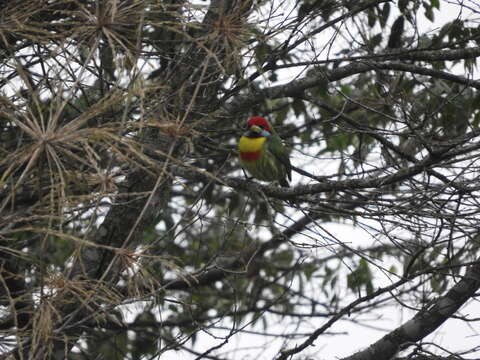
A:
(281, 153)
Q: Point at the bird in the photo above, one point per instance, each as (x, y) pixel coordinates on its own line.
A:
(263, 154)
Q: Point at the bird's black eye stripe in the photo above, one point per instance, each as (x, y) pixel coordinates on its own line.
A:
(261, 126)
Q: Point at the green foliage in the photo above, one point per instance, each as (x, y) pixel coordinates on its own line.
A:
(384, 15)
(312, 7)
(402, 5)
(428, 11)
(109, 344)
(361, 278)
(145, 342)
(396, 33)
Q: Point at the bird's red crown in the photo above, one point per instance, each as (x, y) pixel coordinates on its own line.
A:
(259, 121)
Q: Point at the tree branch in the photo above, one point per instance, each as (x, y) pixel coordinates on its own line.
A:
(370, 182)
(296, 88)
(421, 325)
(425, 321)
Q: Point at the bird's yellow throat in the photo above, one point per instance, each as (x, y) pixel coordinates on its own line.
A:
(246, 144)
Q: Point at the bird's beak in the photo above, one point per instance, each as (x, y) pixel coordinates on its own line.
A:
(255, 131)
(255, 128)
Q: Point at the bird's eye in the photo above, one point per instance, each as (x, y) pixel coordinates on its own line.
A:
(261, 126)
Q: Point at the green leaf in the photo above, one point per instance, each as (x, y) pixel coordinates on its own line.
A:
(262, 213)
(385, 14)
(298, 107)
(273, 77)
(369, 288)
(372, 18)
(309, 270)
(429, 12)
(283, 258)
(338, 142)
(110, 345)
(327, 8)
(281, 115)
(347, 90)
(375, 41)
(360, 277)
(437, 284)
(333, 282)
(402, 5)
(262, 51)
(396, 33)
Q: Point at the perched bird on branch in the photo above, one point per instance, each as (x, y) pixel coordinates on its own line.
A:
(263, 154)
